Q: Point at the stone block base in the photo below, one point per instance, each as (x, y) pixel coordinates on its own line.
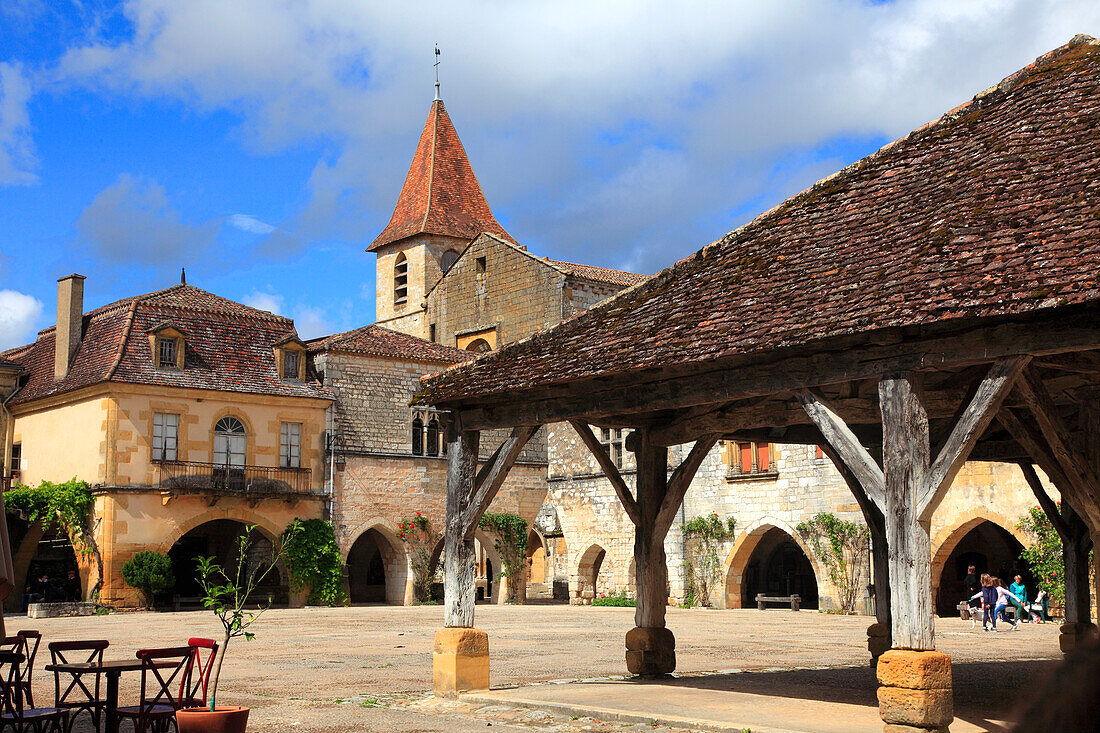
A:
(58, 610)
(460, 661)
(878, 641)
(650, 652)
(1074, 635)
(916, 691)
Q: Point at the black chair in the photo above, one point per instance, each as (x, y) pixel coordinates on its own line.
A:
(158, 704)
(13, 713)
(79, 693)
(31, 640)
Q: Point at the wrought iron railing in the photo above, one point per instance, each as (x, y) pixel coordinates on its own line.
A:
(200, 476)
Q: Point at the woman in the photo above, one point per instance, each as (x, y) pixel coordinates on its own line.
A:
(1020, 590)
(973, 585)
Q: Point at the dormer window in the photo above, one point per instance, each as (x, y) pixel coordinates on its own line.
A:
(166, 353)
(290, 359)
(166, 344)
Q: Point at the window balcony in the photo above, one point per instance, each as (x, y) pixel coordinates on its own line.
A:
(219, 478)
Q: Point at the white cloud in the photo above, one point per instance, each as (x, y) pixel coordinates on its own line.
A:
(264, 301)
(18, 314)
(132, 220)
(249, 224)
(16, 148)
(309, 321)
(628, 125)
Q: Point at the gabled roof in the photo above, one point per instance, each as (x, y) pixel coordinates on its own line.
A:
(600, 274)
(374, 340)
(227, 347)
(992, 210)
(441, 194)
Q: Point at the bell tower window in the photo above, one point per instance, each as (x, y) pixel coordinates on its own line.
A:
(400, 279)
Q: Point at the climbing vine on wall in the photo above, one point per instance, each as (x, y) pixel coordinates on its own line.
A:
(421, 539)
(69, 504)
(312, 560)
(843, 546)
(511, 545)
(703, 538)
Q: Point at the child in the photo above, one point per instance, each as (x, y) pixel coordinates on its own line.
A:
(1003, 594)
(989, 600)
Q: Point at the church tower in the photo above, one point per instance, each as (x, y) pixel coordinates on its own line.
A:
(441, 209)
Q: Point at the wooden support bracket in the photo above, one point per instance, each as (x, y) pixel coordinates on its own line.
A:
(610, 470)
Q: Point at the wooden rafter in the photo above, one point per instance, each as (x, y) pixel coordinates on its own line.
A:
(680, 480)
(610, 470)
(844, 444)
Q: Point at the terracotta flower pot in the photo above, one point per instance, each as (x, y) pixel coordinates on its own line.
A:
(227, 719)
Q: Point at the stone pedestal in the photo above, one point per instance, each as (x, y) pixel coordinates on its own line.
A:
(650, 652)
(1075, 635)
(460, 661)
(915, 693)
(878, 641)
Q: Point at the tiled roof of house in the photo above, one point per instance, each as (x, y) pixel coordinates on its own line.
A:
(441, 194)
(228, 346)
(9, 364)
(600, 274)
(374, 340)
(992, 210)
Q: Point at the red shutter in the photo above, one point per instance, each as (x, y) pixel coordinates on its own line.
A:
(763, 457)
(746, 457)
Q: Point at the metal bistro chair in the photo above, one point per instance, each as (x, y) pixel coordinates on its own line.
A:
(193, 686)
(157, 705)
(13, 714)
(78, 694)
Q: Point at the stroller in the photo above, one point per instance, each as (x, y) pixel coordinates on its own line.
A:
(1038, 608)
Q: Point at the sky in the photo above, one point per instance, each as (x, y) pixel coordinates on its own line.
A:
(261, 144)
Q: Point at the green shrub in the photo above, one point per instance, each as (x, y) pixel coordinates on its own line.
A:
(511, 544)
(150, 572)
(615, 598)
(313, 560)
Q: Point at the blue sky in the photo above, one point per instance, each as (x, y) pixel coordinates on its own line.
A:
(262, 144)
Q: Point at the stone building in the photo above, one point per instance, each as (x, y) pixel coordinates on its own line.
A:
(389, 461)
(448, 272)
(189, 414)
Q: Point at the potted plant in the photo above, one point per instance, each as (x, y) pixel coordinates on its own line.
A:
(226, 592)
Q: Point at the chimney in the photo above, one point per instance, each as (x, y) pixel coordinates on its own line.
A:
(70, 315)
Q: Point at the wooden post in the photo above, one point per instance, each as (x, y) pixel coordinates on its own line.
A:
(649, 543)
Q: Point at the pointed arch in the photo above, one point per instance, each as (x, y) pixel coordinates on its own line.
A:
(740, 555)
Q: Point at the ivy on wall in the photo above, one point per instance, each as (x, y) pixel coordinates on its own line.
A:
(703, 538)
(313, 561)
(843, 547)
(69, 504)
(511, 545)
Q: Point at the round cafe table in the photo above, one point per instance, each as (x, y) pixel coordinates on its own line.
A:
(113, 670)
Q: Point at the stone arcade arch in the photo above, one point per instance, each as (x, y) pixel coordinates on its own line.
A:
(745, 575)
(218, 538)
(987, 540)
(378, 567)
(594, 575)
(490, 583)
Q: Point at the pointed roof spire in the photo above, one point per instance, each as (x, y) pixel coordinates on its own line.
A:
(441, 194)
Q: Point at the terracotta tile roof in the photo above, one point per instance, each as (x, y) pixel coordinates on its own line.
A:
(374, 340)
(600, 274)
(994, 209)
(441, 194)
(9, 364)
(228, 346)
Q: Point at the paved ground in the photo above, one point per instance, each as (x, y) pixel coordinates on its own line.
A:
(369, 668)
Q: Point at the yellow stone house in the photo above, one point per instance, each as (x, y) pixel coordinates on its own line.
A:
(189, 414)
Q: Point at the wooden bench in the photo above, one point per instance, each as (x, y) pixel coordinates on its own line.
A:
(178, 602)
(762, 601)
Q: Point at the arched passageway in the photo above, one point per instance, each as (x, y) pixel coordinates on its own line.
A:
(768, 560)
(219, 538)
(51, 573)
(536, 558)
(488, 568)
(377, 569)
(987, 546)
(594, 575)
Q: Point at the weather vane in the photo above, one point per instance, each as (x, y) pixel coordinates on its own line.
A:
(437, 72)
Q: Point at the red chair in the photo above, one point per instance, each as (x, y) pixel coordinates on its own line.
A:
(193, 687)
(162, 670)
(13, 713)
(78, 695)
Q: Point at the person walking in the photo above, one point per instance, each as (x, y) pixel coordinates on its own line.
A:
(1020, 590)
(1003, 594)
(973, 584)
(988, 596)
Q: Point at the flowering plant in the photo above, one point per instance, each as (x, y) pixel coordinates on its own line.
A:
(421, 538)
